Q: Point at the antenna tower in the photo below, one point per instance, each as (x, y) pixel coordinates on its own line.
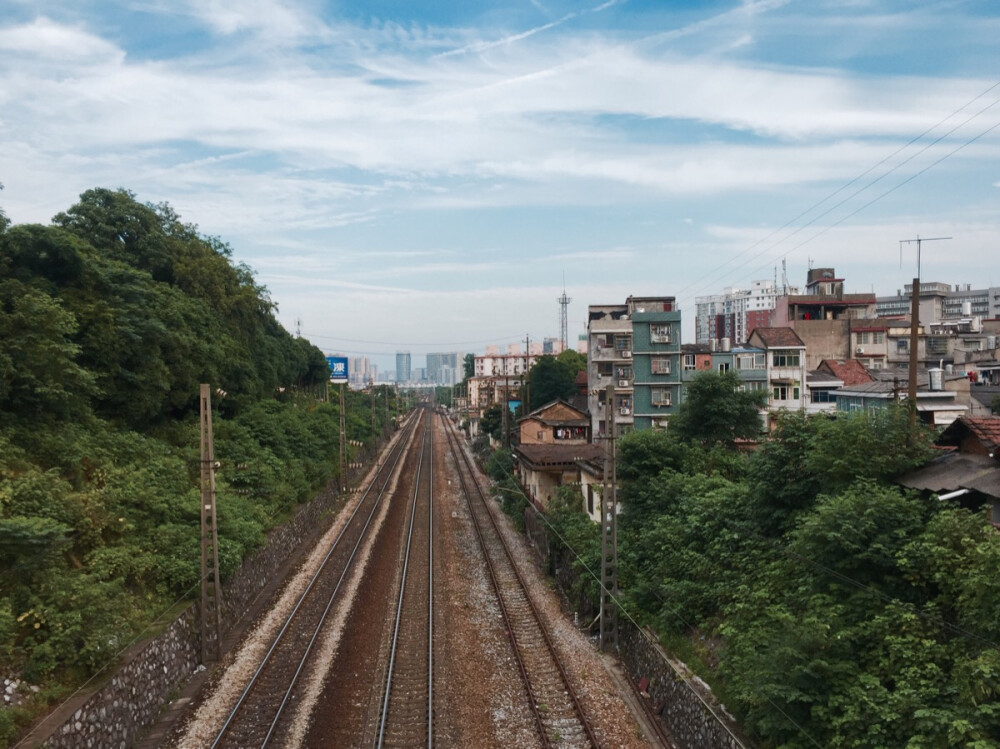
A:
(563, 306)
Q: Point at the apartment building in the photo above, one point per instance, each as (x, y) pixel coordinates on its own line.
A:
(735, 312)
(941, 301)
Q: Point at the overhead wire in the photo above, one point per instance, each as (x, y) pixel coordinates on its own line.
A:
(687, 292)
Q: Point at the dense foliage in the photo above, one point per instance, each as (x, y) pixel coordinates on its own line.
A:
(828, 606)
(552, 377)
(109, 320)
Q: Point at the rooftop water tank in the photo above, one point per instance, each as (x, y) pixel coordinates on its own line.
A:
(936, 376)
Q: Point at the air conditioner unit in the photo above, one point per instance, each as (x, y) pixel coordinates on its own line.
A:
(624, 411)
(627, 354)
(859, 350)
(623, 383)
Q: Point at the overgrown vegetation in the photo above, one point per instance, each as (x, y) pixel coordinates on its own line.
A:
(827, 605)
(110, 318)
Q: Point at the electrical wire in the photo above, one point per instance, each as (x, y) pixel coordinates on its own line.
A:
(687, 293)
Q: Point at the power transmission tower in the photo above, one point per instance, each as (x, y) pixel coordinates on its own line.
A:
(563, 306)
(211, 587)
(609, 532)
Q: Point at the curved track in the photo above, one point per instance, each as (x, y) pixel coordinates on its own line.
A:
(559, 717)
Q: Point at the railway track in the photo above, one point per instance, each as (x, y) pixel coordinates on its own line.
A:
(407, 715)
(257, 717)
(559, 717)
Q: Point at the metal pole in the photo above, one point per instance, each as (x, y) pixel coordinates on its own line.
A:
(911, 391)
(609, 532)
(211, 587)
(343, 441)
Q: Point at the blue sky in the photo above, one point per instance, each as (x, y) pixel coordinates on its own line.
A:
(423, 175)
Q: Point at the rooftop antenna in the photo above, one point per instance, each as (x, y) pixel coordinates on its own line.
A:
(914, 322)
(298, 327)
(563, 306)
(784, 278)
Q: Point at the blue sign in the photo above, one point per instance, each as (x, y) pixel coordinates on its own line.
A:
(338, 368)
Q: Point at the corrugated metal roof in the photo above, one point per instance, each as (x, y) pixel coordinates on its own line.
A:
(956, 470)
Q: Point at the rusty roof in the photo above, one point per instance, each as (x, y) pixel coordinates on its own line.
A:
(851, 371)
(985, 428)
(777, 337)
(558, 456)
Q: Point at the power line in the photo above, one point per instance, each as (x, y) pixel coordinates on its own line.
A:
(685, 294)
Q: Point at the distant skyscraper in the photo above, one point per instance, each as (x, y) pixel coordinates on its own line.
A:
(438, 366)
(402, 366)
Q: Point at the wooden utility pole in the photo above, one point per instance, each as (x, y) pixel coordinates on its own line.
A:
(911, 392)
(526, 408)
(609, 532)
(211, 587)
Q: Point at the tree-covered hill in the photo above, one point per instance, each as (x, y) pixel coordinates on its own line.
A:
(110, 318)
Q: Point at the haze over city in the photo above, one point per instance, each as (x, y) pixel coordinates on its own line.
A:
(430, 176)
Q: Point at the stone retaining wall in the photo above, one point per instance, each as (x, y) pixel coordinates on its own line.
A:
(117, 714)
(685, 704)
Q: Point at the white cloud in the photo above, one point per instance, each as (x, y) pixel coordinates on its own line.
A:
(45, 40)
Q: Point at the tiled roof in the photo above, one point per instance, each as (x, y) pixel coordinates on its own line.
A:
(776, 337)
(851, 371)
(986, 428)
(558, 456)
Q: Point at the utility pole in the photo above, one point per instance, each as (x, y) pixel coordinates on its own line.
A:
(527, 386)
(609, 532)
(914, 324)
(343, 441)
(375, 445)
(211, 587)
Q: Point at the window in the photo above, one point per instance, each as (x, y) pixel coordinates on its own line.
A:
(753, 386)
(661, 397)
(659, 333)
(876, 337)
(660, 365)
(723, 366)
(623, 343)
(689, 362)
(604, 369)
(783, 390)
(750, 361)
(781, 358)
(623, 373)
(822, 396)
(902, 345)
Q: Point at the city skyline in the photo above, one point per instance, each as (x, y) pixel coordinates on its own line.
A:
(432, 178)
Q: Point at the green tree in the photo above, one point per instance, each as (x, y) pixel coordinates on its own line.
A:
(715, 410)
(491, 422)
(469, 366)
(576, 361)
(550, 379)
(39, 373)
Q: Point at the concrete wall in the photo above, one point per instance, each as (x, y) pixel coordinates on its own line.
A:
(824, 339)
(684, 703)
(117, 714)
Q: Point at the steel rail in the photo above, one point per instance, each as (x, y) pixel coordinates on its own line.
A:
(384, 719)
(462, 459)
(387, 468)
